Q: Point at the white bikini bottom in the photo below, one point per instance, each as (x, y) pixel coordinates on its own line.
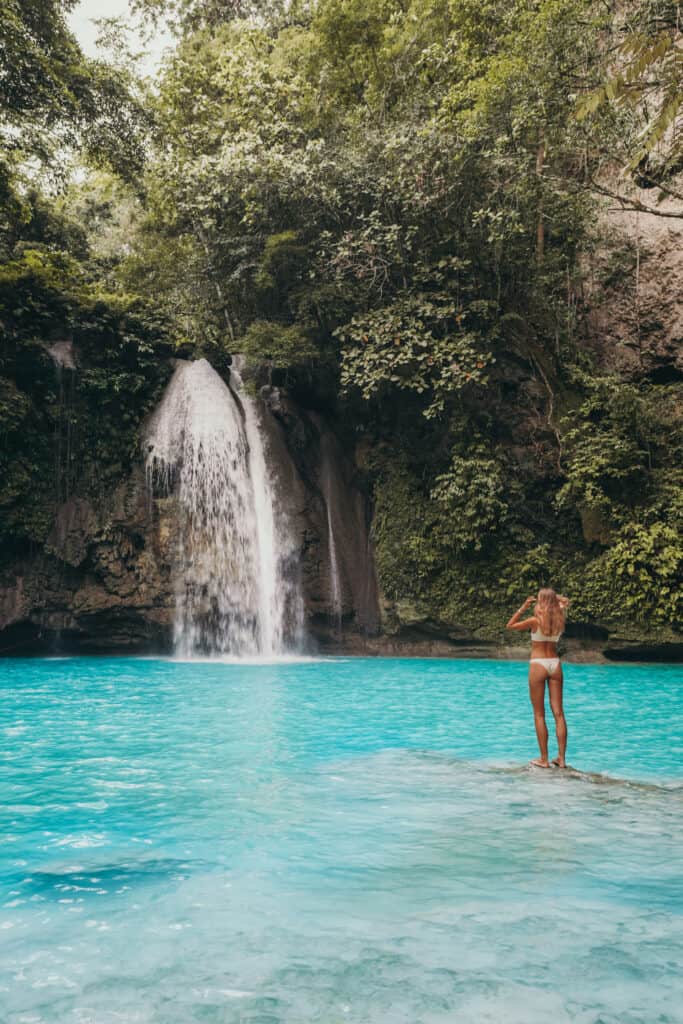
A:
(549, 664)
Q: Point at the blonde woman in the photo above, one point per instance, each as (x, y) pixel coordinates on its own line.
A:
(547, 626)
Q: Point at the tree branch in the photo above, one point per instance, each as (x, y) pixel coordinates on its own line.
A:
(655, 183)
(633, 204)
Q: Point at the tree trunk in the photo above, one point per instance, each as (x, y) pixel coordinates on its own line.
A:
(540, 226)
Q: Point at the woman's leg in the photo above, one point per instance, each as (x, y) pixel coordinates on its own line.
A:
(537, 678)
(555, 686)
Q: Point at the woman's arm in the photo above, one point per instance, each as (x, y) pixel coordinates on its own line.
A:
(563, 602)
(515, 623)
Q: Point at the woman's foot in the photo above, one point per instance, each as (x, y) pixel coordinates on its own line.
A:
(559, 762)
(538, 762)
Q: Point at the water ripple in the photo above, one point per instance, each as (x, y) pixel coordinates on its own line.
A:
(342, 840)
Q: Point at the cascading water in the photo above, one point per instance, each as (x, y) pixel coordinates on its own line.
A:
(282, 607)
(236, 587)
(336, 600)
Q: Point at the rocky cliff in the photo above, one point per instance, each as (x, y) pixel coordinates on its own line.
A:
(102, 580)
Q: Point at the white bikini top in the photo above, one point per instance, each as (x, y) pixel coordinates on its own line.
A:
(540, 638)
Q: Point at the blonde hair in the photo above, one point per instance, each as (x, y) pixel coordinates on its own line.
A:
(549, 612)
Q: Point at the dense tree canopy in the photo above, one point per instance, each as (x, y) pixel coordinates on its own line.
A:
(644, 76)
(57, 106)
(53, 98)
(390, 204)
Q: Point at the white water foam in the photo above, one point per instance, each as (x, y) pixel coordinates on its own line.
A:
(236, 587)
(282, 607)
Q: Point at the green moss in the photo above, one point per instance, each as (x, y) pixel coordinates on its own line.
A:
(65, 431)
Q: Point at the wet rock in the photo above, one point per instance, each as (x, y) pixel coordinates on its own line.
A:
(73, 531)
(334, 515)
(63, 354)
(13, 601)
(634, 302)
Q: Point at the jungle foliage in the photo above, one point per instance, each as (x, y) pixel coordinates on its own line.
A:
(391, 204)
(80, 363)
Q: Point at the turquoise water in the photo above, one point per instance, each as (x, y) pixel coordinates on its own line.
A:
(340, 840)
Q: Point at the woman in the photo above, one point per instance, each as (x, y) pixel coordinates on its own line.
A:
(547, 626)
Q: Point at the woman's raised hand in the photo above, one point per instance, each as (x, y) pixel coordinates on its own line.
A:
(514, 622)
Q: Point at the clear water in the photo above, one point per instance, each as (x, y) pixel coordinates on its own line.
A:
(349, 840)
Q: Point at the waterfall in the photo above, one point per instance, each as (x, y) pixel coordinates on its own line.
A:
(282, 608)
(236, 569)
(336, 601)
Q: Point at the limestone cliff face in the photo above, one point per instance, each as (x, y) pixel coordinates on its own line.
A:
(101, 583)
(333, 515)
(103, 579)
(633, 298)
